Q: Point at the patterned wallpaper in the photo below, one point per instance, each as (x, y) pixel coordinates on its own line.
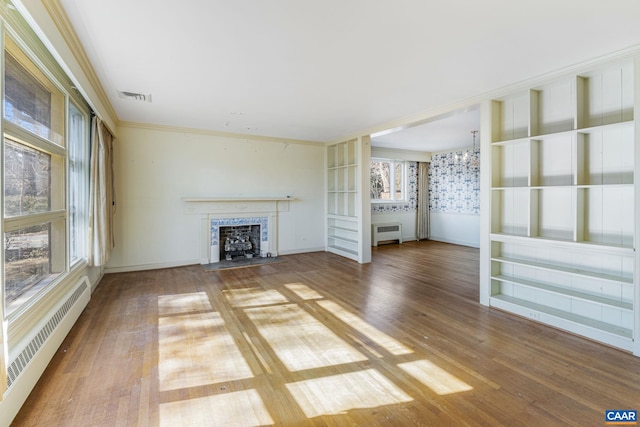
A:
(412, 190)
(454, 186)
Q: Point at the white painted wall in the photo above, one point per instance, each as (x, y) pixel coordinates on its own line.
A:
(458, 228)
(156, 167)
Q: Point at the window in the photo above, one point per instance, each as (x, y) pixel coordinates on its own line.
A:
(31, 100)
(35, 215)
(78, 183)
(27, 180)
(387, 180)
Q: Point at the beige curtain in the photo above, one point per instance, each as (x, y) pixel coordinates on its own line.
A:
(101, 194)
(3, 371)
(422, 223)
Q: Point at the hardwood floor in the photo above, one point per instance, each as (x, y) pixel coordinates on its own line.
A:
(321, 340)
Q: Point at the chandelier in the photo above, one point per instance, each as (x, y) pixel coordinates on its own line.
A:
(474, 157)
(470, 158)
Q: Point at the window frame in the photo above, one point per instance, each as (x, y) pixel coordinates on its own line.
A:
(59, 147)
(82, 190)
(392, 180)
(39, 72)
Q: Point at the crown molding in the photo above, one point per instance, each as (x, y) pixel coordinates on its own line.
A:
(62, 23)
(177, 129)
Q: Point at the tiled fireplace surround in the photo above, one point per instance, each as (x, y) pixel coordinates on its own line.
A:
(217, 238)
(216, 212)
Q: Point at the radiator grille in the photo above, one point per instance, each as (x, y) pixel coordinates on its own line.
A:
(23, 359)
(388, 228)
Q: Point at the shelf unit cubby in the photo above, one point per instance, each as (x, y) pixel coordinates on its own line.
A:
(562, 204)
(572, 283)
(343, 235)
(343, 167)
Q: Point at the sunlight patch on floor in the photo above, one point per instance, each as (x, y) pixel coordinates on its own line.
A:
(183, 303)
(434, 377)
(241, 408)
(391, 345)
(338, 394)
(253, 297)
(299, 339)
(195, 350)
(303, 291)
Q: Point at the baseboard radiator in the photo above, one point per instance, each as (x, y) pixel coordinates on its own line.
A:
(26, 368)
(389, 231)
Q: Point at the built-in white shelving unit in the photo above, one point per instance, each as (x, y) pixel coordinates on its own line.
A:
(345, 213)
(562, 220)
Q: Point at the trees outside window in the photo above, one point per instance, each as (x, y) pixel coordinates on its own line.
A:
(387, 180)
(43, 202)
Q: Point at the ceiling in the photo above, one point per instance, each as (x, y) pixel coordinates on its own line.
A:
(327, 69)
(440, 133)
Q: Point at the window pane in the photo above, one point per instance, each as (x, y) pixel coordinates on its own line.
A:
(31, 101)
(398, 180)
(78, 176)
(28, 261)
(27, 180)
(380, 180)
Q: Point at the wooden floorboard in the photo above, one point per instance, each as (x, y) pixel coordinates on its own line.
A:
(320, 340)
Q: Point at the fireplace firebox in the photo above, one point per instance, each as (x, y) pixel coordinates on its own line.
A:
(239, 241)
(244, 236)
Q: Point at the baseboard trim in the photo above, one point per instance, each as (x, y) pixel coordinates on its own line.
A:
(157, 266)
(455, 242)
(302, 251)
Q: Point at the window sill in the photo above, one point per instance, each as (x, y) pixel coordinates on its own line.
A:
(26, 299)
(21, 322)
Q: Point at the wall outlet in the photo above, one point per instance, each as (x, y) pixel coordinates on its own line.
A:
(534, 315)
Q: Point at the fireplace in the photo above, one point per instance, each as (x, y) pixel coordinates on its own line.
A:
(234, 238)
(239, 241)
(216, 212)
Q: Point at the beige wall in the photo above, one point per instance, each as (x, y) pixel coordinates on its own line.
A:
(156, 167)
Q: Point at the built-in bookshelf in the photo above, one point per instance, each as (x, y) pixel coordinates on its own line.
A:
(342, 171)
(562, 202)
(343, 198)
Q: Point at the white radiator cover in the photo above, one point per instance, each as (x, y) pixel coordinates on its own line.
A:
(386, 231)
(25, 369)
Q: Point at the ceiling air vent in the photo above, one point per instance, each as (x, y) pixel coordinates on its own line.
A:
(134, 95)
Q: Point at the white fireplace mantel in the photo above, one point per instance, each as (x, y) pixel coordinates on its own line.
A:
(255, 204)
(216, 208)
(236, 199)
